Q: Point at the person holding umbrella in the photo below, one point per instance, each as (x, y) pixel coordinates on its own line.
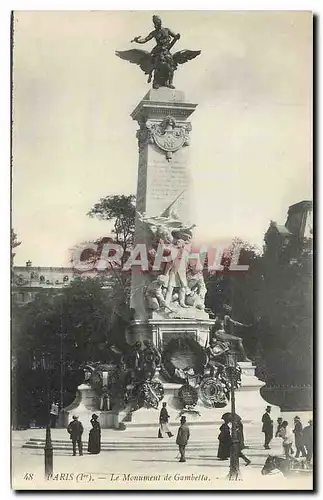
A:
(239, 427)
(224, 438)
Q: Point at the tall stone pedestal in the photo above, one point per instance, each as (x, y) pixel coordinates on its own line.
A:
(163, 177)
(163, 172)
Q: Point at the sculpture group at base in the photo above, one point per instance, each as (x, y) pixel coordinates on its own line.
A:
(132, 381)
(180, 284)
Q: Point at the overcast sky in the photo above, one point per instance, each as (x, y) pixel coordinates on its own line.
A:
(74, 140)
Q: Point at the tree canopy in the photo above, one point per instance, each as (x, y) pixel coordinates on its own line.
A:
(14, 243)
(85, 313)
(119, 209)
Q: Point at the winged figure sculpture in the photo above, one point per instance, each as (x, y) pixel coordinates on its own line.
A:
(159, 64)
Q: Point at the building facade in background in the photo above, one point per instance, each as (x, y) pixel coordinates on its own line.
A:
(29, 280)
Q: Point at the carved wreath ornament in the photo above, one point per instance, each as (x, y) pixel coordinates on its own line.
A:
(168, 135)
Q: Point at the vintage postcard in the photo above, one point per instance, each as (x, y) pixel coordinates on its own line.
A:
(161, 250)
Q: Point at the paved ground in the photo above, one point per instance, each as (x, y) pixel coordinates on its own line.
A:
(151, 464)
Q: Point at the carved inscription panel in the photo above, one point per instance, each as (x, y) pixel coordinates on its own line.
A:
(166, 180)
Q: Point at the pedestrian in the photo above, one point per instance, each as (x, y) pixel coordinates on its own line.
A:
(183, 436)
(279, 424)
(53, 415)
(298, 432)
(308, 440)
(240, 442)
(241, 434)
(287, 438)
(224, 439)
(94, 444)
(75, 430)
(163, 422)
(267, 427)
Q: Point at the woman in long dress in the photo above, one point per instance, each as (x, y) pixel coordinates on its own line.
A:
(225, 440)
(163, 423)
(94, 445)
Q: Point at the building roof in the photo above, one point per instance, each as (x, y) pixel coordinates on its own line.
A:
(282, 229)
(43, 269)
(300, 206)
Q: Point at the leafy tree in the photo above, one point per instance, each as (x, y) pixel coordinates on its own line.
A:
(14, 244)
(275, 297)
(227, 286)
(282, 302)
(119, 209)
(82, 313)
(80, 323)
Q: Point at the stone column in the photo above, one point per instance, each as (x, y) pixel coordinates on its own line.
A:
(163, 169)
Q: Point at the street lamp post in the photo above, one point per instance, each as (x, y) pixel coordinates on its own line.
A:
(48, 449)
(61, 418)
(234, 473)
(62, 373)
(48, 453)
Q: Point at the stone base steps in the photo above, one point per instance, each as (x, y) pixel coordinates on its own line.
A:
(149, 444)
(197, 423)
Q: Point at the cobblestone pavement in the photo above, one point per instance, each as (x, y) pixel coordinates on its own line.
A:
(145, 463)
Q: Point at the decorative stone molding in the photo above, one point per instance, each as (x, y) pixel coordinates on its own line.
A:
(168, 135)
(143, 136)
(21, 280)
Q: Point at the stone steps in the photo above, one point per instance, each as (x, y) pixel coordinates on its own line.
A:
(151, 444)
(194, 423)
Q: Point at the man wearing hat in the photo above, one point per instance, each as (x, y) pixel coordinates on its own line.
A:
(267, 427)
(75, 430)
(299, 442)
(183, 436)
(308, 440)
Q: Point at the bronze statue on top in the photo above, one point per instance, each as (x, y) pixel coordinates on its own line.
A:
(159, 61)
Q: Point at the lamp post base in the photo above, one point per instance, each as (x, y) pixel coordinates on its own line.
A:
(234, 475)
(48, 454)
(234, 472)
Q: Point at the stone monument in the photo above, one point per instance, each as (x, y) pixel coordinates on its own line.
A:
(168, 303)
(179, 364)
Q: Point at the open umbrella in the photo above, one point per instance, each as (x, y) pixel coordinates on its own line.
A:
(229, 415)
